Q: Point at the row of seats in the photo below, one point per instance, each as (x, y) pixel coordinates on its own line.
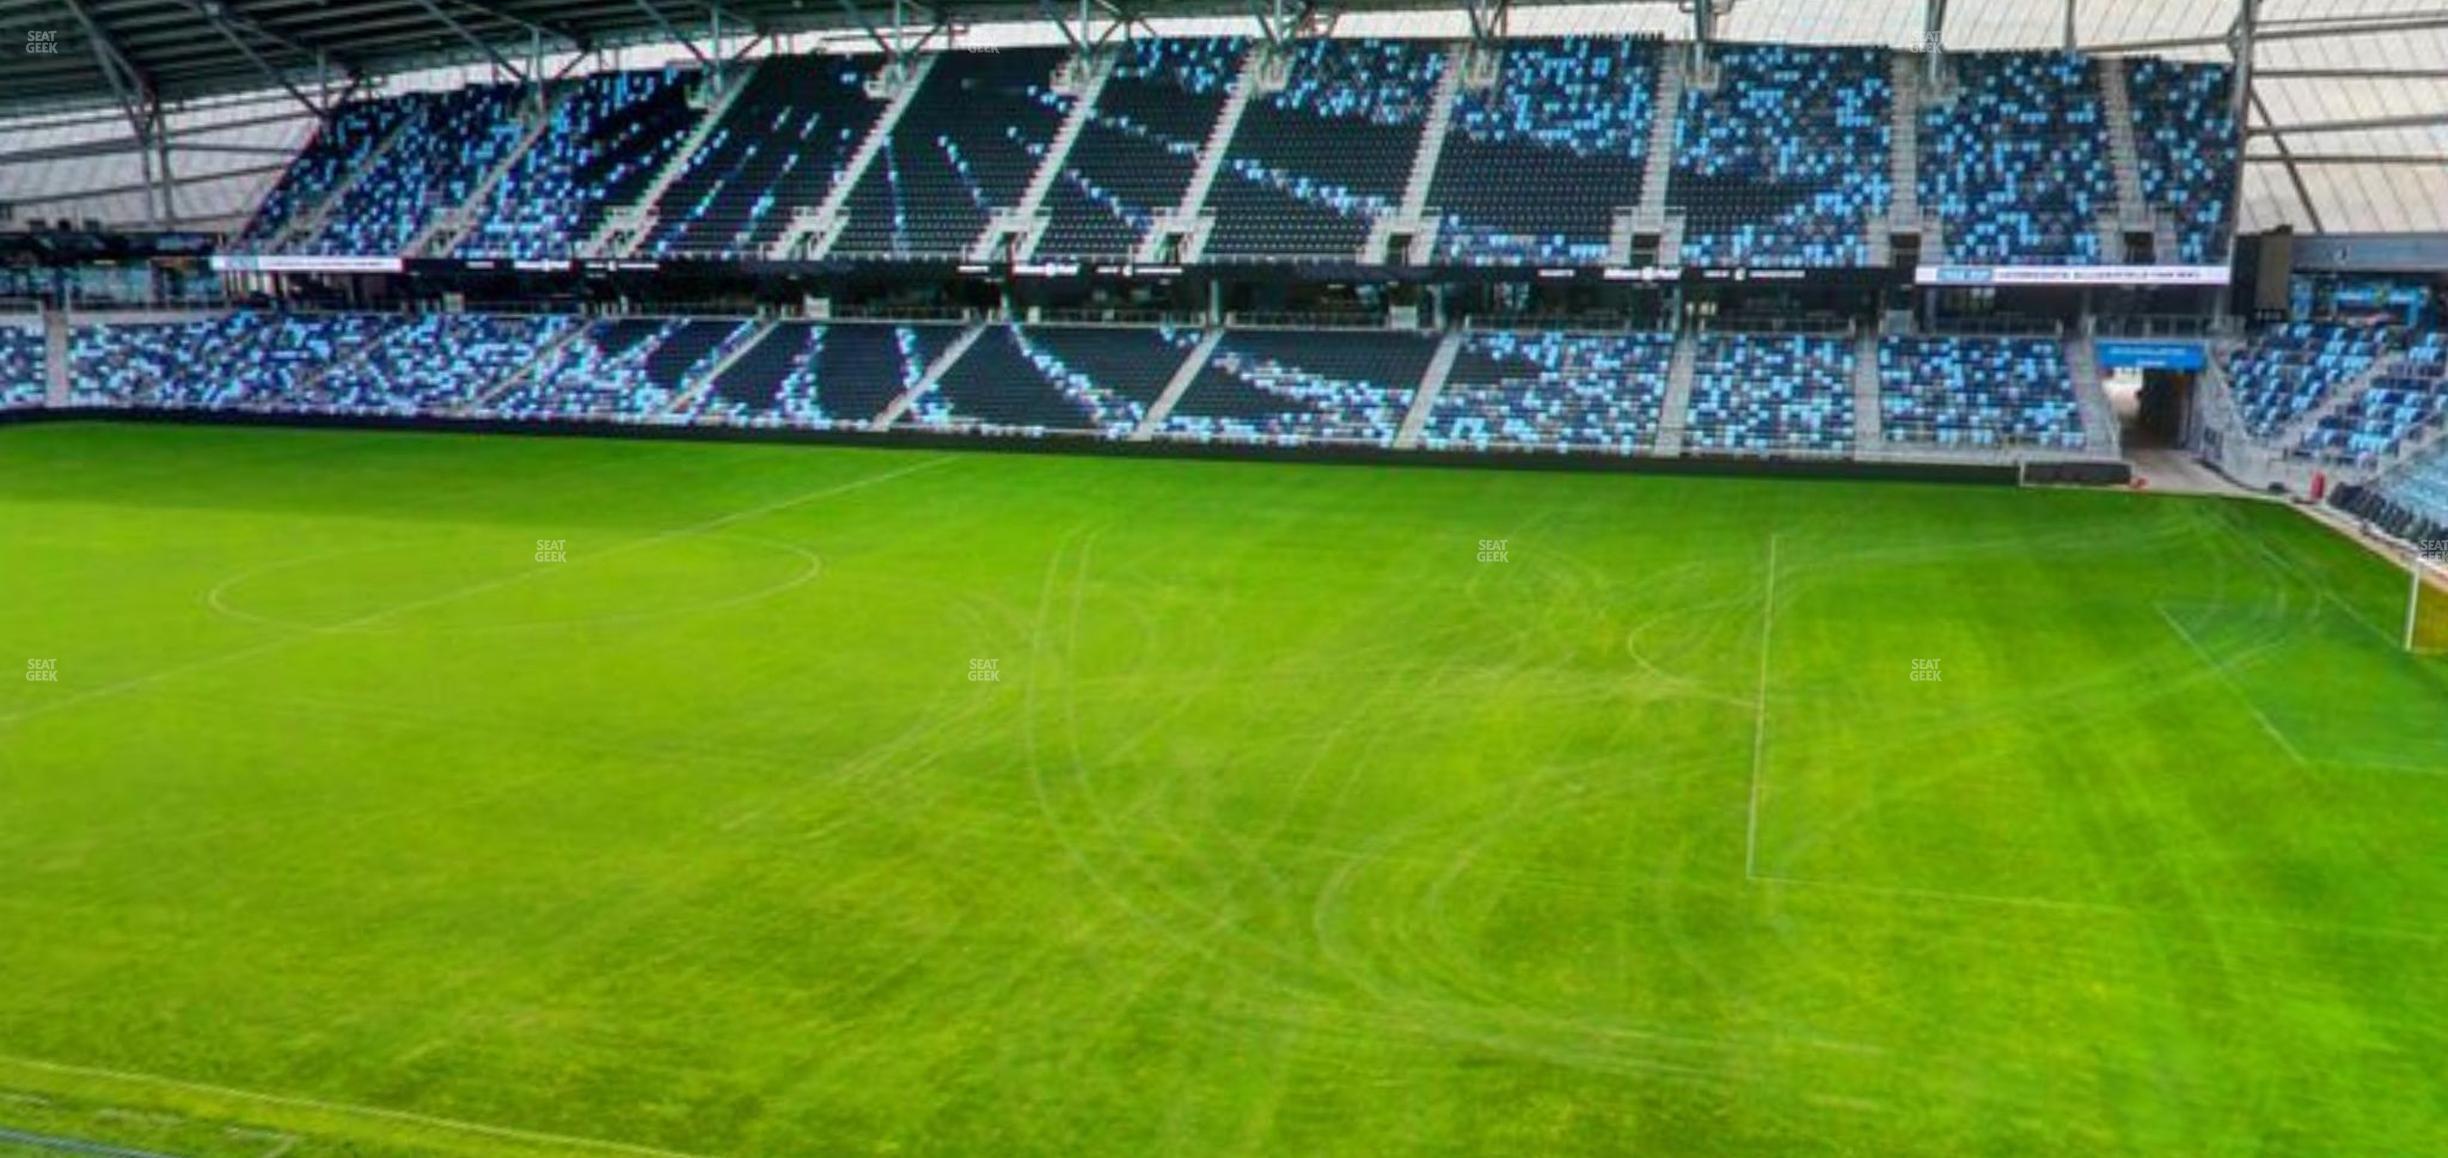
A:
(1787, 162)
(22, 377)
(1312, 166)
(2287, 371)
(780, 145)
(2185, 135)
(1290, 388)
(607, 137)
(967, 146)
(1549, 390)
(2421, 487)
(620, 369)
(1771, 394)
(1977, 392)
(437, 157)
(343, 144)
(2015, 160)
(1137, 152)
(2407, 400)
(437, 363)
(1782, 160)
(1536, 166)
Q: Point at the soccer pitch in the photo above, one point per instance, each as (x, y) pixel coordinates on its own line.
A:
(857, 801)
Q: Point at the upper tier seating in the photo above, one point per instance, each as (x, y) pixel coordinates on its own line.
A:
(608, 136)
(966, 146)
(2015, 162)
(22, 359)
(1978, 392)
(1312, 167)
(1054, 379)
(779, 147)
(1135, 155)
(838, 376)
(1552, 391)
(2289, 371)
(1763, 393)
(2185, 132)
(624, 369)
(437, 363)
(1291, 387)
(444, 149)
(338, 149)
(1536, 167)
(1787, 162)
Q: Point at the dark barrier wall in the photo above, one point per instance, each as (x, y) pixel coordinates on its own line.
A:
(2087, 473)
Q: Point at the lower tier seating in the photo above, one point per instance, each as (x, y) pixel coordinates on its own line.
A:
(1553, 391)
(1041, 380)
(21, 366)
(1978, 392)
(624, 369)
(1757, 393)
(437, 363)
(2290, 370)
(1288, 387)
(836, 376)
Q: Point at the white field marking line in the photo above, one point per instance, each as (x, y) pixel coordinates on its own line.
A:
(377, 616)
(2228, 679)
(2320, 592)
(453, 1125)
(1759, 718)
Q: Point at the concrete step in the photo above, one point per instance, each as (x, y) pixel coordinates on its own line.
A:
(1432, 383)
(815, 231)
(934, 373)
(1183, 376)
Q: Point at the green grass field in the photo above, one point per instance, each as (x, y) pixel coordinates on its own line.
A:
(1289, 827)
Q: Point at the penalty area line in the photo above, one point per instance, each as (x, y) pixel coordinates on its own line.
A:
(1759, 718)
(345, 1109)
(2225, 677)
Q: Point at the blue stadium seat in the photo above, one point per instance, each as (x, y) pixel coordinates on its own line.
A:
(1135, 155)
(1978, 392)
(1771, 394)
(1535, 167)
(1312, 167)
(2015, 161)
(1788, 162)
(1548, 390)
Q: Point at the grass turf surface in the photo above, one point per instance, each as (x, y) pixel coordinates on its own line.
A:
(1288, 827)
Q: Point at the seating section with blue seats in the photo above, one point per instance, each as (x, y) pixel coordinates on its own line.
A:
(2290, 370)
(1786, 163)
(437, 363)
(1763, 393)
(1536, 166)
(340, 147)
(445, 148)
(2015, 160)
(2374, 425)
(1978, 392)
(1041, 380)
(1313, 166)
(609, 134)
(23, 357)
(622, 369)
(1139, 148)
(2190, 150)
(1290, 387)
(780, 146)
(967, 145)
(250, 358)
(2421, 487)
(121, 363)
(1548, 390)
(2406, 401)
(835, 376)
